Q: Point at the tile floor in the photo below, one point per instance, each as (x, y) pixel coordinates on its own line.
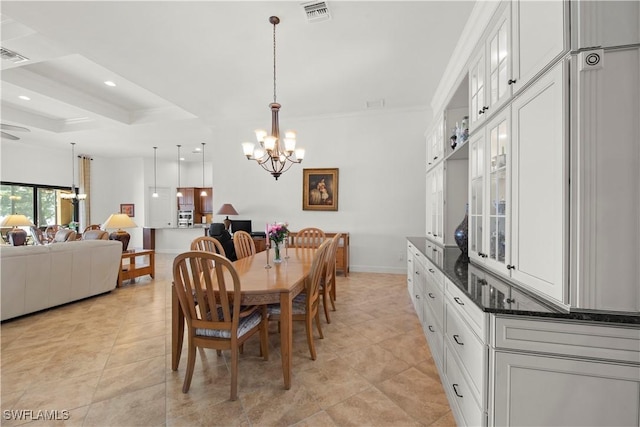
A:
(106, 361)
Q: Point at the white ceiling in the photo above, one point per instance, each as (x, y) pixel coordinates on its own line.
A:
(183, 68)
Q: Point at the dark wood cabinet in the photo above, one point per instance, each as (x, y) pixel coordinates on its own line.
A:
(186, 202)
(191, 200)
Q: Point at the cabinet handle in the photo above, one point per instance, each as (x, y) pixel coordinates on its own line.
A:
(455, 338)
(458, 300)
(511, 267)
(481, 112)
(431, 295)
(435, 158)
(417, 296)
(431, 270)
(482, 282)
(511, 81)
(434, 249)
(429, 232)
(455, 390)
(431, 328)
(509, 300)
(485, 108)
(417, 273)
(435, 235)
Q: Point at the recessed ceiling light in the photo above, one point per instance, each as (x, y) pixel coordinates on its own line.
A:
(110, 83)
(25, 98)
(182, 159)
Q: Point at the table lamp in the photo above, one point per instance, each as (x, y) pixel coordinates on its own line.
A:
(119, 221)
(227, 209)
(17, 236)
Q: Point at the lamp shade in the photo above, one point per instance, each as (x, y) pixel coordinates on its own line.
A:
(227, 209)
(16, 221)
(118, 220)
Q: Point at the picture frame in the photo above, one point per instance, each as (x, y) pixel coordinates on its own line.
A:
(320, 189)
(128, 208)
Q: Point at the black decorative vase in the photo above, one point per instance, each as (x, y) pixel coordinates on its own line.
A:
(461, 234)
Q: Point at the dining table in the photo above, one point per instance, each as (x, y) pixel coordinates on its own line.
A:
(262, 281)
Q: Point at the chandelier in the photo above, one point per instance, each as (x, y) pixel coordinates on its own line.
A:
(274, 154)
(74, 195)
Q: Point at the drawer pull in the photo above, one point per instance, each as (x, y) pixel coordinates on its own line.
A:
(431, 270)
(417, 296)
(455, 390)
(458, 300)
(455, 338)
(417, 273)
(431, 295)
(431, 328)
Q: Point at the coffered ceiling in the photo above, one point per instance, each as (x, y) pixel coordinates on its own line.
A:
(183, 68)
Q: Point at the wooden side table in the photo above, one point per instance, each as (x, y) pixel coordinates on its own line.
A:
(133, 268)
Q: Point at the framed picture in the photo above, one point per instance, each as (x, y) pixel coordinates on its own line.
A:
(127, 208)
(320, 189)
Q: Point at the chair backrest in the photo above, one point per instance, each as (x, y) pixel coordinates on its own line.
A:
(315, 275)
(50, 232)
(310, 237)
(64, 235)
(330, 269)
(95, 235)
(243, 244)
(92, 227)
(208, 298)
(207, 244)
(38, 236)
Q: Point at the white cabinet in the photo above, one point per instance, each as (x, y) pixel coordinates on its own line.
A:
(435, 142)
(604, 23)
(587, 375)
(540, 36)
(605, 230)
(525, 38)
(489, 172)
(435, 199)
(539, 185)
(490, 70)
(518, 188)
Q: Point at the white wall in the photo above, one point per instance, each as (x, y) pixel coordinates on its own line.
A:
(381, 198)
(380, 157)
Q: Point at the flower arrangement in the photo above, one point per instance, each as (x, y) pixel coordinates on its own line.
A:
(277, 232)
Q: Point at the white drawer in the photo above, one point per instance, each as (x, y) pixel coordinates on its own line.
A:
(460, 394)
(570, 338)
(434, 274)
(433, 332)
(470, 312)
(434, 298)
(470, 350)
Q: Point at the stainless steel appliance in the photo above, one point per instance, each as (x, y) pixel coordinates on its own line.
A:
(185, 219)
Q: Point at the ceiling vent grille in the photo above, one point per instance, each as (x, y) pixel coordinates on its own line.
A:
(316, 11)
(12, 56)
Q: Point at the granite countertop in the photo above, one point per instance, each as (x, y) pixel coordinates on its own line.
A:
(494, 294)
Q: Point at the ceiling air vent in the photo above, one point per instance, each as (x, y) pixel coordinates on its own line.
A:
(12, 56)
(316, 11)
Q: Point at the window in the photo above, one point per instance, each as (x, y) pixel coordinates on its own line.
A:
(40, 203)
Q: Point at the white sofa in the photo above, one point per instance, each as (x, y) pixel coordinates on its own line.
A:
(33, 278)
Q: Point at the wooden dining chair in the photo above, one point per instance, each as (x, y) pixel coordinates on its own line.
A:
(310, 237)
(243, 244)
(328, 279)
(209, 292)
(305, 305)
(207, 244)
(50, 232)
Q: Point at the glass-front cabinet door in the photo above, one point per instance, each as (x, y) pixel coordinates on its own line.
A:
(499, 61)
(498, 142)
(476, 196)
(477, 103)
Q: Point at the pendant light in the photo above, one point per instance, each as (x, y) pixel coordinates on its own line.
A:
(179, 193)
(204, 192)
(155, 172)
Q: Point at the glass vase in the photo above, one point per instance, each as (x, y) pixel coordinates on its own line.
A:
(276, 253)
(461, 234)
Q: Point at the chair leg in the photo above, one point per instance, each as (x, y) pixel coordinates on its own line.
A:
(332, 296)
(234, 374)
(325, 291)
(191, 361)
(317, 316)
(312, 347)
(264, 335)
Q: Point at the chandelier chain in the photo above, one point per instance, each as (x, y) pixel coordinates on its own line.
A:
(274, 62)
